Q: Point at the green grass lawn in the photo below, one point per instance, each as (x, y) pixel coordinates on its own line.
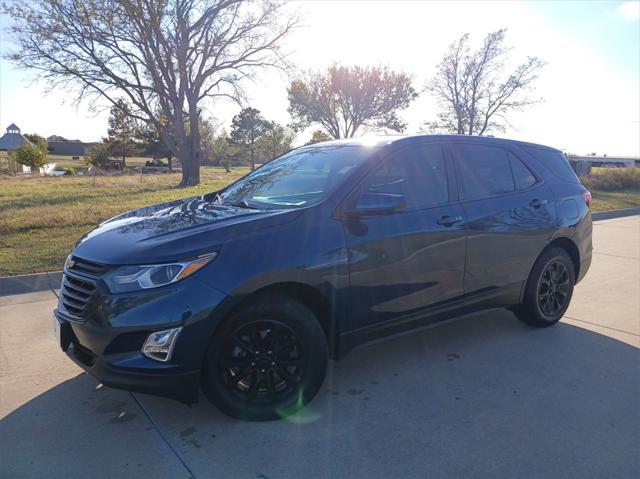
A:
(42, 218)
(615, 200)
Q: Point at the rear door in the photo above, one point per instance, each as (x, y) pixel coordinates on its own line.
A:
(403, 263)
(509, 216)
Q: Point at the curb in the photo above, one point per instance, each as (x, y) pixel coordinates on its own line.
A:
(32, 283)
(611, 214)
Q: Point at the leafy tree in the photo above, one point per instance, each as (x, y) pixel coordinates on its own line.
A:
(150, 143)
(207, 134)
(318, 136)
(247, 128)
(162, 56)
(122, 128)
(40, 141)
(476, 91)
(276, 140)
(224, 151)
(98, 155)
(343, 99)
(31, 155)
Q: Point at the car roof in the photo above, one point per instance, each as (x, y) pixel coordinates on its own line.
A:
(383, 140)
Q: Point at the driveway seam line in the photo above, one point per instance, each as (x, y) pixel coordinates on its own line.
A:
(605, 327)
(6, 305)
(162, 436)
(617, 256)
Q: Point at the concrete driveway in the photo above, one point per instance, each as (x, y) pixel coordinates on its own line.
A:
(483, 397)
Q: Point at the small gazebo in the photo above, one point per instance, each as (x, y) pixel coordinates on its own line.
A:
(12, 139)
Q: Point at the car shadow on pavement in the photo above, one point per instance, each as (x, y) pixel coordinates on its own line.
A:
(484, 396)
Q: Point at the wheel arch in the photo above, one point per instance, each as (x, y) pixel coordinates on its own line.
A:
(571, 248)
(564, 243)
(308, 295)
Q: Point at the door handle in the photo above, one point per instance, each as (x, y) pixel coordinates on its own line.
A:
(538, 203)
(447, 220)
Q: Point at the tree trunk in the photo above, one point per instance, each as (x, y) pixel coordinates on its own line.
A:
(253, 160)
(170, 166)
(191, 158)
(190, 173)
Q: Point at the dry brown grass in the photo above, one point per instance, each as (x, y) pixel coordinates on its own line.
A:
(613, 179)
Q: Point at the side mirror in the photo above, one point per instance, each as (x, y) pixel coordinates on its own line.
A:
(376, 204)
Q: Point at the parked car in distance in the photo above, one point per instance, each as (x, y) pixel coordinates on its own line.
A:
(248, 291)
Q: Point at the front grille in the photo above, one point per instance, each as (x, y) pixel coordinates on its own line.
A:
(88, 268)
(79, 286)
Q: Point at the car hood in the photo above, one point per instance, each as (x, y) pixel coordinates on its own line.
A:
(171, 231)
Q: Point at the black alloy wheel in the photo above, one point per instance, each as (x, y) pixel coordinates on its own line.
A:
(263, 360)
(549, 288)
(553, 288)
(267, 361)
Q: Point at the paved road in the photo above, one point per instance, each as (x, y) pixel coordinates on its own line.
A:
(483, 397)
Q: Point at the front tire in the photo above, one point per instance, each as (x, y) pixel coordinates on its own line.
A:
(266, 361)
(549, 289)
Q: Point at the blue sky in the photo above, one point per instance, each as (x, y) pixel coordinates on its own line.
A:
(591, 85)
(602, 26)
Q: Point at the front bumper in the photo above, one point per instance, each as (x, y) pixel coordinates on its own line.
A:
(107, 342)
(183, 386)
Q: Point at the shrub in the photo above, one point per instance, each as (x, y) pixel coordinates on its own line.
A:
(70, 171)
(39, 141)
(98, 156)
(612, 179)
(30, 155)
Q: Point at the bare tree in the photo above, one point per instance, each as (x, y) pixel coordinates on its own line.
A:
(343, 99)
(473, 89)
(163, 56)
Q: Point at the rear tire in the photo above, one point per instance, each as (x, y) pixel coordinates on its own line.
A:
(549, 289)
(267, 361)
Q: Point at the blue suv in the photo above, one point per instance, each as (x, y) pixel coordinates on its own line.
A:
(248, 291)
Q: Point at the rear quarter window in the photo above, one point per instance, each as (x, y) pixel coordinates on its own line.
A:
(522, 176)
(554, 161)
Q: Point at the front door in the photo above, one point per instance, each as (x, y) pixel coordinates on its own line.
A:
(404, 262)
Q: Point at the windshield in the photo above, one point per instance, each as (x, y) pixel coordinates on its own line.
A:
(300, 178)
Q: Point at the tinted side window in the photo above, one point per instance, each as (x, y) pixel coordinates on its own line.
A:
(484, 171)
(554, 161)
(521, 174)
(417, 173)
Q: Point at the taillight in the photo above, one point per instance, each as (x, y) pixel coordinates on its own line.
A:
(586, 196)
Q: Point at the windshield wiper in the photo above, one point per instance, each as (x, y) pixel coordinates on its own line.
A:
(242, 204)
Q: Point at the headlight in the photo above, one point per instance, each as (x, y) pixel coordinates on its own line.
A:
(134, 278)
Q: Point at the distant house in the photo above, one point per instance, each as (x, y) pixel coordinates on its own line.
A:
(69, 148)
(12, 139)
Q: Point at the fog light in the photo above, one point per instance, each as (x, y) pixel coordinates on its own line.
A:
(159, 345)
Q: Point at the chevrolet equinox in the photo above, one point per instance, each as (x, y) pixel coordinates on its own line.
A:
(247, 292)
